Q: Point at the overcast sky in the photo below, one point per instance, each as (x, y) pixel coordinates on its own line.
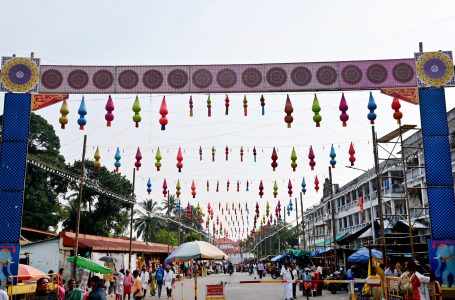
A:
(218, 32)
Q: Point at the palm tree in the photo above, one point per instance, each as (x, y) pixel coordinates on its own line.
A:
(145, 224)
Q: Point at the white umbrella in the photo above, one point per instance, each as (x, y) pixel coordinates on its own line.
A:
(195, 250)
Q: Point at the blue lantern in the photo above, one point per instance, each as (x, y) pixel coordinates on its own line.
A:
(303, 185)
(117, 158)
(371, 106)
(82, 111)
(333, 162)
(149, 186)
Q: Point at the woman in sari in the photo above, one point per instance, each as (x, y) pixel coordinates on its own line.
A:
(73, 293)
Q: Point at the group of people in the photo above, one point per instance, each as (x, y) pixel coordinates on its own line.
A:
(311, 284)
(127, 285)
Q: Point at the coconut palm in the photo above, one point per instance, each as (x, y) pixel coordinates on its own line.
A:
(145, 223)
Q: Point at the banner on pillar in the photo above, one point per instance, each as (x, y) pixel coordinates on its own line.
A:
(442, 261)
(410, 94)
(9, 264)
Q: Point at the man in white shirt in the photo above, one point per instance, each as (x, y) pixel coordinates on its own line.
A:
(145, 279)
(260, 269)
(168, 280)
(286, 275)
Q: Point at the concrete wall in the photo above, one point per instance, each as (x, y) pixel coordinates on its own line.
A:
(44, 255)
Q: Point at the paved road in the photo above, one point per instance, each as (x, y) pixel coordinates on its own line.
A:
(235, 291)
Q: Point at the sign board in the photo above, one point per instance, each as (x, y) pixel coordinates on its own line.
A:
(214, 291)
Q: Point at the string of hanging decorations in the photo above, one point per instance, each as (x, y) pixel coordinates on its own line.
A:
(163, 111)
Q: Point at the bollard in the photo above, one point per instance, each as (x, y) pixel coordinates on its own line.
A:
(195, 287)
(352, 290)
(182, 290)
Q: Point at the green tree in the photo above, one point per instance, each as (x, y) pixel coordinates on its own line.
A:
(162, 237)
(192, 236)
(42, 209)
(106, 216)
(145, 223)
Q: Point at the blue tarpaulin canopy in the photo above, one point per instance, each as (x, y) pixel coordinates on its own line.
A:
(278, 257)
(363, 255)
(320, 251)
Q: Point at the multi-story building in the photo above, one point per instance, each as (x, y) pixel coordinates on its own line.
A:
(356, 203)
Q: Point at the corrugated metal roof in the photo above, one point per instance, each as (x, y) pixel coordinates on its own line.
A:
(100, 243)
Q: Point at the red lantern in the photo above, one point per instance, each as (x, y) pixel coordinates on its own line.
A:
(288, 109)
(226, 151)
(344, 117)
(397, 115)
(274, 159)
(351, 154)
(208, 186)
(290, 188)
(191, 106)
(316, 183)
(179, 160)
(238, 186)
(138, 159)
(227, 185)
(226, 103)
(261, 189)
(109, 117)
(245, 106)
(193, 189)
(164, 188)
(163, 113)
(188, 210)
(312, 157)
(241, 154)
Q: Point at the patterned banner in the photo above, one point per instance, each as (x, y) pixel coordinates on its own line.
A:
(410, 95)
(42, 100)
(260, 78)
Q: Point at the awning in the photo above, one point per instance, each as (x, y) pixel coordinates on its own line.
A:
(299, 253)
(329, 240)
(89, 265)
(278, 258)
(353, 236)
(320, 251)
(415, 225)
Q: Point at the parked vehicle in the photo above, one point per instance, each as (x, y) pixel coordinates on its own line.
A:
(335, 287)
(275, 272)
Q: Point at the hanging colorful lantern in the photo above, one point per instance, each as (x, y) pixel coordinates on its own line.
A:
(344, 117)
(227, 185)
(97, 157)
(254, 153)
(158, 158)
(117, 158)
(351, 154)
(164, 188)
(177, 205)
(290, 188)
(275, 190)
(209, 106)
(200, 153)
(257, 209)
(262, 104)
(245, 106)
(137, 109)
(191, 106)
(316, 108)
(290, 205)
(293, 159)
(149, 186)
(208, 188)
(274, 159)
(213, 153)
(397, 115)
(193, 189)
(247, 186)
(163, 113)
(179, 160)
(138, 157)
(288, 109)
(238, 186)
(177, 189)
(217, 186)
(371, 106)
(261, 189)
(303, 185)
(82, 111)
(64, 110)
(316, 183)
(188, 210)
(267, 208)
(109, 116)
(332, 156)
(312, 157)
(226, 103)
(226, 151)
(241, 154)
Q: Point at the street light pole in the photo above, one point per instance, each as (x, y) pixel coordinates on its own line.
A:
(131, 221)
(79, 201)
(334, 226)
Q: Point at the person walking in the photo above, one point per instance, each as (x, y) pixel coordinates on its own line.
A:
(159, 276)
(127, 285)
(145, 276)
(286, 275)
(260, 269)
(98, 292)
(138, 293)
(306, 275)
(168, 280)
(119, 285)
(294, 284)
(409, 283)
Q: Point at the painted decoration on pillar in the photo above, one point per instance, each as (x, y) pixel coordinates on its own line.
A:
(434, 69)
(20, 74)
(40, 101)
(9, 258)
(441, 254)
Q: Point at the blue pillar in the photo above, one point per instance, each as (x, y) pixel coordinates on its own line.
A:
(438, 168)
(13, 164)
